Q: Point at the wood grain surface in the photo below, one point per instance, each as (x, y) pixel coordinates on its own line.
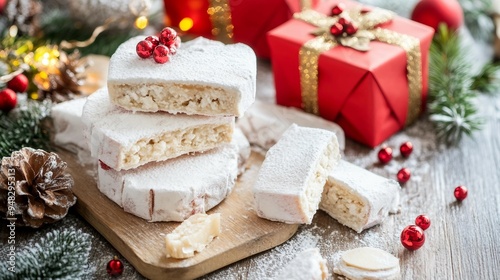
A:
(142, 243)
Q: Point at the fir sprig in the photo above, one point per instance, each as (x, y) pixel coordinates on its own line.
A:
(23, 127)
(488, 80)
(61, 254)
(477, 15)
(451, 104)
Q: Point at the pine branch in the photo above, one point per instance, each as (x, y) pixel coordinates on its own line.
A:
(58, 26)
(23, 128)
(59, 255)
(477, 16)
(451, 106)
(488, 79)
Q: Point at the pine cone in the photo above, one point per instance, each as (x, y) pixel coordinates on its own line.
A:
(65, 84)
(42, 190)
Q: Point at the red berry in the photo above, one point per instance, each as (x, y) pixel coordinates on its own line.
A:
(404, 175)
(161, 54)
(423, 222)
(344, 21)
(19, 83)
(412, 237)
(104, 166)
(153, 39)
(460, 193)
(350, 29)
(338, 9)
(167, 36)
(8, 100)
(337, 29)
(406, 148)
(177, 42)
(385, 155)
(144, 49)
(114, 267)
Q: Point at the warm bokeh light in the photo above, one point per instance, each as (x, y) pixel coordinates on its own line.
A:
(185, 24)
(141, 22)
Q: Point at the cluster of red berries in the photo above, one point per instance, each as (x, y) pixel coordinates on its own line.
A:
(343, 25)
(161, 48)
(8, 97)
(385, 155)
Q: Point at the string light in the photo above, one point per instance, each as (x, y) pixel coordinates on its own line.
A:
(185, 24)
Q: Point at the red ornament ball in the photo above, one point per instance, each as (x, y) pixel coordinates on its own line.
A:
(460, 193)
(115, 267)
(167, 36)
(351, 29)
(337, 9)
(344, 21)
(404, 175)
(153, 39)
(434, 12)
(8, 100)
(19, 83)
(161, 54)
(337, 29)
(423, 222)
(144, 49)
(412, 237)
(406, 148)
(385, 155)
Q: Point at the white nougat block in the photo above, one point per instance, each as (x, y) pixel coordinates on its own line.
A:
(358, 198)
(291, 179)
(205, 77)
(124, 140)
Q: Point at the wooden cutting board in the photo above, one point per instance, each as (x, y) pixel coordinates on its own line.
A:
(142, 244)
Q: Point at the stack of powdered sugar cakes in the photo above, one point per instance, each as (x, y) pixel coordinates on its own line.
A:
(164, 128)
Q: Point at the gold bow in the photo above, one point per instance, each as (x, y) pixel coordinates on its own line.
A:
(367, 31)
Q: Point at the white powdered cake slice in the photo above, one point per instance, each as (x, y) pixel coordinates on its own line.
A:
(193, 235)
(243, 147)
(264, 123)
(68, 125)
(125, 140)
(308, 264)
(175, 189)
(205, 77)
(291, 179)
(358, 198)
(366, 263)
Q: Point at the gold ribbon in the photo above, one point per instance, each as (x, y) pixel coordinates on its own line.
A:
(366, 22)
(220, 16)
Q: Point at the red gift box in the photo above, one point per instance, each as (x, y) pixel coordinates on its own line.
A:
(366, 93)
(247, 20)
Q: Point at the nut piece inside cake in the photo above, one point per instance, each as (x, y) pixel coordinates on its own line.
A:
(174, 98)
(193, 235)
(174, 143)
(345, 206)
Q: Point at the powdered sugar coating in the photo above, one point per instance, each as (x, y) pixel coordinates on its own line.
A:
(287, 179)
(200, 62)
(68, 125)
(111, 129)
(380, 195)
(308, 264)
(175, 189)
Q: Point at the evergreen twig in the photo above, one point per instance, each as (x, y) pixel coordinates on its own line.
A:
(451, 106)
(23, 127)
(488, 79)
(61, 254)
